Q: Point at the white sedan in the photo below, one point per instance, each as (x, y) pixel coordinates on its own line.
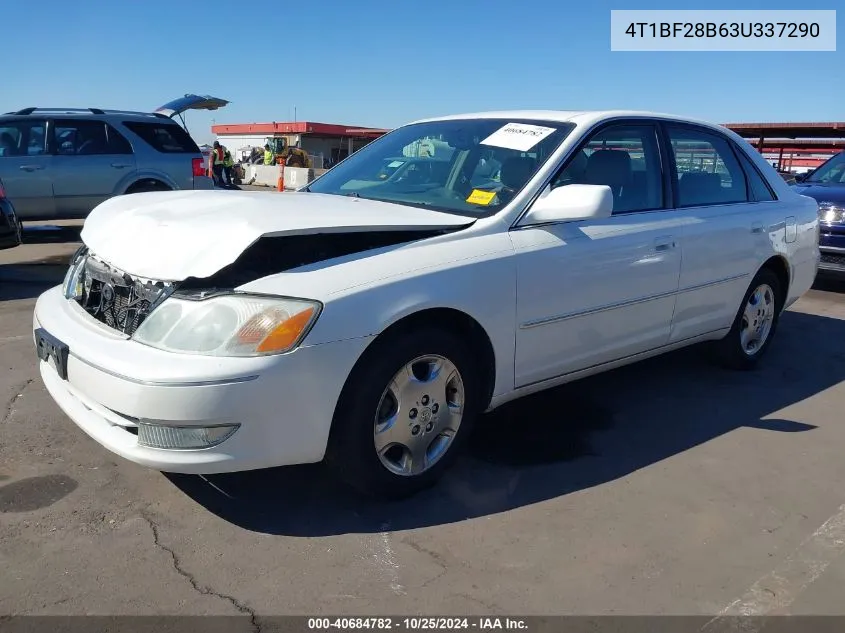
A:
(446, 268)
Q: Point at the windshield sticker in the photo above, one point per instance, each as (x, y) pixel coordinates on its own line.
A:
(481, 197)
(396, 163)
(518, 136)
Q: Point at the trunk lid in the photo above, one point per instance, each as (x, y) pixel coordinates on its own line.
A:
(191, 102)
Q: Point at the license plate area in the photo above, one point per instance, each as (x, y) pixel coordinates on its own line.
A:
(49, 348)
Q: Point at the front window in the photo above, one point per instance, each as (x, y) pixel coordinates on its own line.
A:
(470, 166)
(832, 172)
(23, 138)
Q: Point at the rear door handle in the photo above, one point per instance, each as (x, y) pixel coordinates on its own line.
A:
(30, 167)
(119, 165)
(664, 243)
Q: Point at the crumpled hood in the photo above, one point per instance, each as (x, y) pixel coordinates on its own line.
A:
(173, 235)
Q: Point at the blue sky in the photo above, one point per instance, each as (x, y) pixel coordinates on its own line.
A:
(381, 63)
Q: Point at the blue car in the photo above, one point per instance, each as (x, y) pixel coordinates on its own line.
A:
(826, 184)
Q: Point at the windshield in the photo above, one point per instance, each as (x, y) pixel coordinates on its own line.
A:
(831, 172)
(469, 166)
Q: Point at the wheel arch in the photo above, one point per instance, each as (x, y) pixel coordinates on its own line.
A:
(451, 319)
(151, 181)
(780, 267)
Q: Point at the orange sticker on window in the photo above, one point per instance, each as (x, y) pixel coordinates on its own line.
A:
(481, 197)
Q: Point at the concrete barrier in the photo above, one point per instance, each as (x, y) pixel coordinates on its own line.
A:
(268, 175)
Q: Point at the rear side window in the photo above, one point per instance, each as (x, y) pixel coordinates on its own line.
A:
(167, 138)
(760, 191)
(82, 137)
(708, 173)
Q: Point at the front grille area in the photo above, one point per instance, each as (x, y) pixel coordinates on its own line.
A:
(116, 298)
(833, 260)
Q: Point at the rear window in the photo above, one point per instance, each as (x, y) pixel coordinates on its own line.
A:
(167, 138)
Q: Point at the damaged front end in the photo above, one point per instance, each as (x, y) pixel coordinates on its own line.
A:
(122, 301)
(113, 297)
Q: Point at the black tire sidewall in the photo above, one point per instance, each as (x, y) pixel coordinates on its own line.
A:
(147, 188)
(351, 451)
(731, 349)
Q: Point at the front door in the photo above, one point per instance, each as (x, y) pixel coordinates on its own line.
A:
(591, 292)
(26, 168)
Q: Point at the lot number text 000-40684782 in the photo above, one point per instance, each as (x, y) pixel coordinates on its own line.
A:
(723, 30)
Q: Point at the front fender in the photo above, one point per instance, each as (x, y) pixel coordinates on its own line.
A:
(482, 288)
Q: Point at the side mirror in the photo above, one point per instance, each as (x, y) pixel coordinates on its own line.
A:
(570, 203)
(800, 177)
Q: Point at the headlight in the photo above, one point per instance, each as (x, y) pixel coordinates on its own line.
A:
(830, 214)
(72, 285)
(229, 325)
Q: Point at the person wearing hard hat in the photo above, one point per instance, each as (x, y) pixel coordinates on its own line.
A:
(269, 159)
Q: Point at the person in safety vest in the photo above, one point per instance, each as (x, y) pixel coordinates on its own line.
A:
(228, 166)
(269, 159)
(216, 161)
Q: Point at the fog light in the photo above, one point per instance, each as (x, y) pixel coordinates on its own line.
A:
(183, 437)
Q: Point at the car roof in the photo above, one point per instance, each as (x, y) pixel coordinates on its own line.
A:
(578, 117)
(28, 113)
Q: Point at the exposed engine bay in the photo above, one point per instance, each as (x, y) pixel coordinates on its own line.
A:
(115, 298)
(122, 301)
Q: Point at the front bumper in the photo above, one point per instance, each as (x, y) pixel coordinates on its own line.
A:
(284, 404)
(832, 248)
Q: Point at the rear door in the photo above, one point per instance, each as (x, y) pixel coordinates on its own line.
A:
(26, 167)
(92, 162)
(166, 152)
(725, 228)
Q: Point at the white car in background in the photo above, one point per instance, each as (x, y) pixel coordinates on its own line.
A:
(370, 322)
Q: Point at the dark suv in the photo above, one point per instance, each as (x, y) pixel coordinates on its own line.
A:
(826, 184)
(61, 163)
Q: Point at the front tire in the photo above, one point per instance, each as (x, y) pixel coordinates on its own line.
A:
(405, 413)
(755, 324)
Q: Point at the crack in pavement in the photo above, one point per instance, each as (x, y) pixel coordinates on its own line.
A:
(436, 557)
(17, 392)
(201, 589)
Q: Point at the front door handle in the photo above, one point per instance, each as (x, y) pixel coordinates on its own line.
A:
(664, 243)
(30, 167)
(757, 227)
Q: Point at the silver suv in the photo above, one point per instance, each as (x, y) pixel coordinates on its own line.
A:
(61, 163)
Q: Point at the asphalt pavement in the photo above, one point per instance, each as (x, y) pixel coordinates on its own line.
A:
(668, 487)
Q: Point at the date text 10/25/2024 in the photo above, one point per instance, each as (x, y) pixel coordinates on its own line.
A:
(417, 624)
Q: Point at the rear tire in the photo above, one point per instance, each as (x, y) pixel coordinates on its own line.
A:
(146, 186)
(395, 429)
(755, 324)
